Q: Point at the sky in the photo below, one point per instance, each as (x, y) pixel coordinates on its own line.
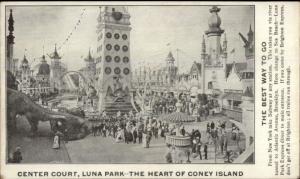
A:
(153, 27)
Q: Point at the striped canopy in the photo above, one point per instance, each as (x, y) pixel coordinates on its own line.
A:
(176, 117)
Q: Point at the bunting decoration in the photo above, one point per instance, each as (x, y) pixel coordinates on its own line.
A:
(78, 22)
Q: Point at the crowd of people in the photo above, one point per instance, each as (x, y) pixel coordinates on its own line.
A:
(129, 128)
(165, 103)
(215, 137)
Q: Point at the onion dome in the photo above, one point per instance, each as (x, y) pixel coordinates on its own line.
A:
(214, 22)
(44, 68)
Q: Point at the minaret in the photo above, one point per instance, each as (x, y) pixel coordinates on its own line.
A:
(214, 34)
(224, 47)
(90, 68)
(56, 69)
(10, 43)
(250, 35)
(203, 49)
(203, 62)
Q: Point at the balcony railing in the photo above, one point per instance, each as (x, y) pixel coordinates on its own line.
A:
(178, 141)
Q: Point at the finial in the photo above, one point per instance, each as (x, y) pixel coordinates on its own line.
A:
(250, 30)
(203, 39)
(214, 9)
(89, 56)
(10, 23)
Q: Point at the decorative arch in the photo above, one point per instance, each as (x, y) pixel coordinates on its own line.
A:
(77, 72)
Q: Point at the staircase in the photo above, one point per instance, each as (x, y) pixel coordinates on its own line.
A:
(247, 156)
(113, 107)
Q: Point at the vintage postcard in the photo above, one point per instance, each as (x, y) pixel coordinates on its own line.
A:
(149, 90)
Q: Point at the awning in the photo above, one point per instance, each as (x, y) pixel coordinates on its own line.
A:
(233, 96)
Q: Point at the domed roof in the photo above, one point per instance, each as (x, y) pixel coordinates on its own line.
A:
(214, 21)
(44, 68)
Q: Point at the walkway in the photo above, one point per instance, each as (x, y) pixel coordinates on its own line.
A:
(37, 149)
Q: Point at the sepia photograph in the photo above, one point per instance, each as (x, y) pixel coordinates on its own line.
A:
(136, 84)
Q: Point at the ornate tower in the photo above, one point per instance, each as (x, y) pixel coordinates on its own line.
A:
(248, 74)
(224, 48)
(214, 55)
(113, 64)
(213, 35)
(10, 43)
(171, 69)
(203, 61)
(90, 68)
(248, 44)
(43, 74)
(57, 70)
(25, 75)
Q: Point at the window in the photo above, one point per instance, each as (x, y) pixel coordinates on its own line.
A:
(108, 47)
(117, 70)
(108, 35)
(108, 58)
(117, 59)
(117, 36)
(125, 48)
(107, 70)
(126, 71)
(125, 59)
(210, 85)
(117, 47)
(124, 36)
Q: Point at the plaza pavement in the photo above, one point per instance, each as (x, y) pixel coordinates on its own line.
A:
(99, 149)
(37, 149)
(105, 150)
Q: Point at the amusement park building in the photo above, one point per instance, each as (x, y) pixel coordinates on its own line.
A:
(229, 84)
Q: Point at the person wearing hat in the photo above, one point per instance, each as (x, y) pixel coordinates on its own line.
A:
(17, 155)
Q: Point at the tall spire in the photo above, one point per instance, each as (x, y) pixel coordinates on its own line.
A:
(43, 57)
(203, 45)
(10, 37)
(250, 34)
(224, 44)
(54, 55)
(89, 58)
(55, 51)
(203, 48)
